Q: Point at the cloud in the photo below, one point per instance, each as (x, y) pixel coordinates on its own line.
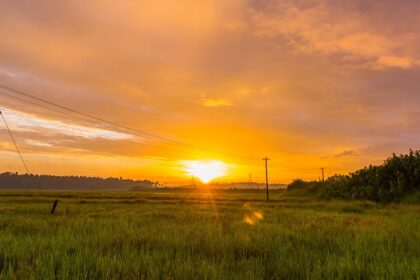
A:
(216, 102)
(396, 61)
(346, 153)
(359, 34)
(19, 121)
(37, 143)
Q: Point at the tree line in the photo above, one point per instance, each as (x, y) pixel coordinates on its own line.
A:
(397, 178)
(9, 180)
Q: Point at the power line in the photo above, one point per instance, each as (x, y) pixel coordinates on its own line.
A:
(81, 118)
(21, 100)
(88, 117)
(83, 114)
(14, 142)
(137, 131)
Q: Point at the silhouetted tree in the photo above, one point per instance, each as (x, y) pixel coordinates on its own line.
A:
(10, 180)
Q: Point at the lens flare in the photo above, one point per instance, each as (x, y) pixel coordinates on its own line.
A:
(252, 216)
(249, 220)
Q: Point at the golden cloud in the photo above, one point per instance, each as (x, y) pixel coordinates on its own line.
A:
(216, 102)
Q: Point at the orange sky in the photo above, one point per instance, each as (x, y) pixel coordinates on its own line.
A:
(307, 83)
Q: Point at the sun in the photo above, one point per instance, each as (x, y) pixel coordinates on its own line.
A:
(205, 170)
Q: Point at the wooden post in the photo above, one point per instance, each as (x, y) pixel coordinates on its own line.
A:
(54, 206)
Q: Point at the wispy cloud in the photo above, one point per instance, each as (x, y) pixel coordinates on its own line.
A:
(216, 102)
(37, 143)
(359, 35)
(392, 61)
(346, 153)
(20, 121)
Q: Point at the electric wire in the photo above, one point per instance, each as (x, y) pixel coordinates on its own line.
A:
(91, 116)
(24, 101)
(14, 142)
(284, 167)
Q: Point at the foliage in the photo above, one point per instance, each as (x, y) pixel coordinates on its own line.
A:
(301, 188)
(10, 180)
(394, 180)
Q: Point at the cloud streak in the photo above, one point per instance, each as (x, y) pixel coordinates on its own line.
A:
(28, 123)
(216, 102)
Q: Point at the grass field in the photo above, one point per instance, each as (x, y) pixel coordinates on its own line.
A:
(204, 235)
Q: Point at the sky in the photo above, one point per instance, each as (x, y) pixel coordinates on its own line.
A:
(310, 84)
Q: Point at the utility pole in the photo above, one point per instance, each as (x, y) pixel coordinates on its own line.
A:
(322, 172)
(266, 159)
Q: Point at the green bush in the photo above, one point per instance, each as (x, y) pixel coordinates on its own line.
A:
(397, 178)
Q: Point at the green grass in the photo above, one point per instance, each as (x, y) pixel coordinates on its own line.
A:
(195, 235)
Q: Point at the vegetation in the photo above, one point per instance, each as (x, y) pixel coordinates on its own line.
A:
(10, 180)
(247, 185)
(398, 178)
(204, 235)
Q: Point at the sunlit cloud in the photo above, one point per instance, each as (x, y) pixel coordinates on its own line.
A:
(25, 122)
(38, 143)
(216, 102)
(346, 32)
(397, 62)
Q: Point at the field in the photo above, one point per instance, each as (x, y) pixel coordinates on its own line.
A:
(204, 234)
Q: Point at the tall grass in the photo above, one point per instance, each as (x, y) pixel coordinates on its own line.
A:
(204, 236)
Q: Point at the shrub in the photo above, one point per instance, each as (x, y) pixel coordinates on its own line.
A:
(396, 178)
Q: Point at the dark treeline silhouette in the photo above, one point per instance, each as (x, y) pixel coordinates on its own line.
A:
(247, 185)
(12, 181)
(397, 178)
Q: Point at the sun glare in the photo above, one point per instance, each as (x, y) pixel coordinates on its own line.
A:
(205, 170)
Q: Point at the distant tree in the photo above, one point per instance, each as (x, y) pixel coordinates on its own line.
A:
(10, 180)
